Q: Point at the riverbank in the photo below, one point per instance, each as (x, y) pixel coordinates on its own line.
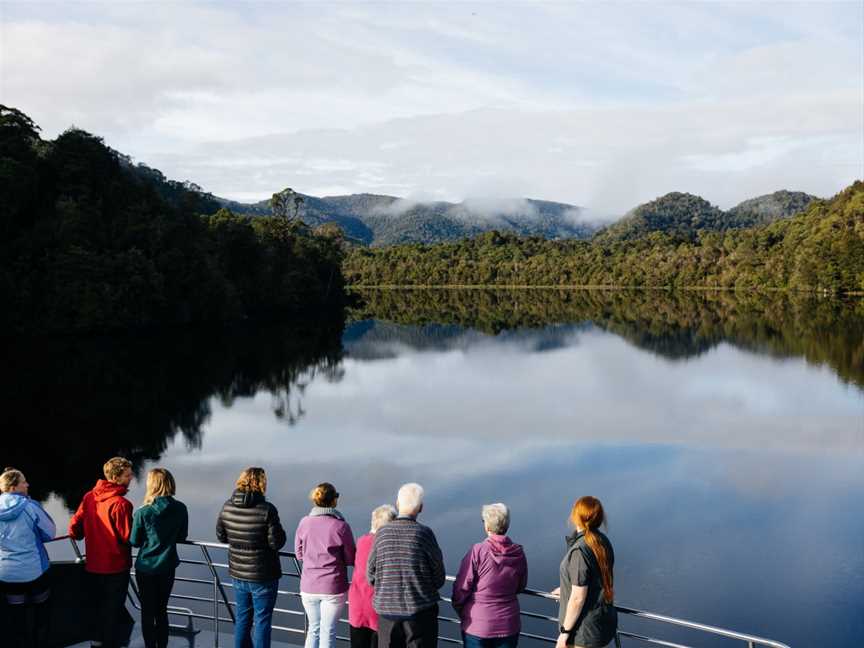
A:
(820, 250)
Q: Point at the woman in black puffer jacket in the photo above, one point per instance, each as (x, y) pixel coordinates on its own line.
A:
(250, 525)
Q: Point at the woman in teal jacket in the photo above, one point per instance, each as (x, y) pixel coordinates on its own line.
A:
(158, 526)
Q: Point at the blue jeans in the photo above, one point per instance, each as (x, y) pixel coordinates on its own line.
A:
(471, 641)
(258, 600)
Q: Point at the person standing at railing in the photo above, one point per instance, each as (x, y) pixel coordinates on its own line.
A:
(361, 615)
(587, 614)
(24, 564)
(325, 544)
(251, 527)
(407, 569)
(486, 587)
(157, 527)
(104, 521)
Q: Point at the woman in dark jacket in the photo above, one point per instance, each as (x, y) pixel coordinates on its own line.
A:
(157, 527)
(587, 615)
(250, 525)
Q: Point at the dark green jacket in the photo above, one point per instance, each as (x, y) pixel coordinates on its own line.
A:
(156, 530)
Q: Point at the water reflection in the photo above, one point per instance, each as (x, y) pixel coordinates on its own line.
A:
(725, 434)
(674, 325)
(69, 404)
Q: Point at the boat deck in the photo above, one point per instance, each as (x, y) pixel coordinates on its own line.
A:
(202, 611)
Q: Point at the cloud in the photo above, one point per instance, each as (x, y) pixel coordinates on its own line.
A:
(597, 105)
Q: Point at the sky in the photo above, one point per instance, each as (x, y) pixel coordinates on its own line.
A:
(599, 105)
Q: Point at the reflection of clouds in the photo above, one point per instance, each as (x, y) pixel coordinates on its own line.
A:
(601, 390)
(732, 480)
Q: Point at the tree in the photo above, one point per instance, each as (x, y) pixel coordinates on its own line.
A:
(285, 202)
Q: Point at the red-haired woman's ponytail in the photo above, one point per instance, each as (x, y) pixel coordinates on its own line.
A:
(588, 513)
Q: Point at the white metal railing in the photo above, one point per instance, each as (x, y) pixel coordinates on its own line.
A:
(221, 603)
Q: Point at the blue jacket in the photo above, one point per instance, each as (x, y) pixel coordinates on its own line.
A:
(24, 527)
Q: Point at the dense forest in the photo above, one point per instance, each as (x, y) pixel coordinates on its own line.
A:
(90, 241)
(820, 249)
(673, 324)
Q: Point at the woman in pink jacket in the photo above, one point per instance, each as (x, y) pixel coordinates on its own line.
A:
(361, 614)
(485, 591)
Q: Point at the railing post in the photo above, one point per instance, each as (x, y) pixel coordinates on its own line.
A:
(299, 570)
(78, 557)
(215, 610)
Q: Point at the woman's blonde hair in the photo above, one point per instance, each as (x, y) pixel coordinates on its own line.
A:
(10, 479)
(160, 483)
(324, 495)
(252, 480)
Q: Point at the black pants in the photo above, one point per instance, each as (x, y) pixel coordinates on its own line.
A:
(108, 595)
(418, 631)
(363, 638)
(154, 590)
(27, 612)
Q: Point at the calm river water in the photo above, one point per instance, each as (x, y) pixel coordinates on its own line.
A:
(724, 435)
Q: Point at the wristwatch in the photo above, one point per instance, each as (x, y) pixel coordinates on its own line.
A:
(563, 630)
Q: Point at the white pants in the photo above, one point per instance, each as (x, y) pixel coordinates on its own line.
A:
(323, 612)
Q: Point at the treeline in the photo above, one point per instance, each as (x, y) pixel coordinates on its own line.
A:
(821, 249)
(673, 324)
(91, 242)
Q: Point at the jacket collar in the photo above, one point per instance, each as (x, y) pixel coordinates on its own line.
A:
(325, 510)
(574, 537)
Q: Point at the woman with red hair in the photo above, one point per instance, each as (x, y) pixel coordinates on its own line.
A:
(587, 614)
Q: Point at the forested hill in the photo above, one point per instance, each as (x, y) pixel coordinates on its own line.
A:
(767, 209)
(385, 220)
(820, 249)
(91, 242)
(377, 220)
(684, 215)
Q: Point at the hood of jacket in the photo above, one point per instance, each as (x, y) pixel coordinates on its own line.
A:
(161, 503)
(12, 505)
(573, 538)
(503, 549)
(246, 499)
(104, 490)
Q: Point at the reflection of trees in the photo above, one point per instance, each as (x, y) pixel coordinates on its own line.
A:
(70, 404)
(671, 324)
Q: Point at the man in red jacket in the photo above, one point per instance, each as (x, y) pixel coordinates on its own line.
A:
(104, 520)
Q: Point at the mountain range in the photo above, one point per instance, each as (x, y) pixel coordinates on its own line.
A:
(378, 220)
(385, 220)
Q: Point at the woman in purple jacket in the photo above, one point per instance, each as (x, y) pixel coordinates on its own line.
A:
(326, 546)
(489, 579)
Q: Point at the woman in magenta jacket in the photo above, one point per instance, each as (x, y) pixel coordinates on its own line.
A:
(361, 614)
(326, 546)
(490, 577)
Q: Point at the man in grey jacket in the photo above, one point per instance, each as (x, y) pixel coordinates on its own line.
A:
(407, 569)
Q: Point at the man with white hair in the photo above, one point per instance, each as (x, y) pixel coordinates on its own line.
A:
(407, 569)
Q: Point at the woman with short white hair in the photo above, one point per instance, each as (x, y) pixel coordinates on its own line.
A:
(485, 593)
(361, 615)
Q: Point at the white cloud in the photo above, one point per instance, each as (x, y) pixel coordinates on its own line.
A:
(598, 105)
